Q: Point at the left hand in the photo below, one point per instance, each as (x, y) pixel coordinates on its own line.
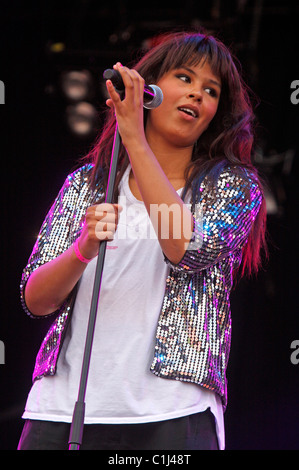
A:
(129, 111)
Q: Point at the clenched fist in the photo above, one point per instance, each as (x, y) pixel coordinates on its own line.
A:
(100, 224)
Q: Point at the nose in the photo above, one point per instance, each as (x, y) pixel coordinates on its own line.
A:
(195, 94)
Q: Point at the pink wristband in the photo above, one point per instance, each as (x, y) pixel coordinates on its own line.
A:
(78, 254)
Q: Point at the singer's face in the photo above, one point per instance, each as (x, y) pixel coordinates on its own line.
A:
(190, 101)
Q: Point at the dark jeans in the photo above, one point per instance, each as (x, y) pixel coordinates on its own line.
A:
(194, 432)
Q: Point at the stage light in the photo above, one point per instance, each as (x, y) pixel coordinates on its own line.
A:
(77, 85)
(82, 118)
(56, 47)
(276, 167)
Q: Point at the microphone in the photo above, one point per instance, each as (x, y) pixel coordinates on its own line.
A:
(152, 97)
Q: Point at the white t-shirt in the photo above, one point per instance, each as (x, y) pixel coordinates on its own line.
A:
(121, 388)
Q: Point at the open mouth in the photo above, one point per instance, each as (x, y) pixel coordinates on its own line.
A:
(189, 111)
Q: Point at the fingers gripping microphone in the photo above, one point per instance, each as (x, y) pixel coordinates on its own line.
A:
(152, 97)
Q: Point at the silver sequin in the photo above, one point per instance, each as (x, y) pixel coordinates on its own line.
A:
(194, 328)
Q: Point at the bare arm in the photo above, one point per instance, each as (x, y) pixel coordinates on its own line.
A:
(49, 285)
(158, 194)
(171, 219)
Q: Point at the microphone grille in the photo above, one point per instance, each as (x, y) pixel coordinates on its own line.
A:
(157, 100)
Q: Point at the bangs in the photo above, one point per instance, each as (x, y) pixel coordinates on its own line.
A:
(194, 49)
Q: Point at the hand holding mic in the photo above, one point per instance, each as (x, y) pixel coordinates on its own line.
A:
(152, 97)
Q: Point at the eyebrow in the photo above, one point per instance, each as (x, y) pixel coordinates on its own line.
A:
(215, 82)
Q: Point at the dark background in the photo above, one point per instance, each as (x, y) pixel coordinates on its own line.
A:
(38, 150)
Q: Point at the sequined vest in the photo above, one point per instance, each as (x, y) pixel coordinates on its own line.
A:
(194, 329)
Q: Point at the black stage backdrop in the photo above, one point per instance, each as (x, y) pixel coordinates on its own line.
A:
(40, 40)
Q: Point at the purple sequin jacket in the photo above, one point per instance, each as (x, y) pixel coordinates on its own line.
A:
(194, 329)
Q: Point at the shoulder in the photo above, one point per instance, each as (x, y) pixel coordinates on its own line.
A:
(230, 182)
(240, 174)
(80, 175)
(74, 184)
(241, 187)
(227, 177)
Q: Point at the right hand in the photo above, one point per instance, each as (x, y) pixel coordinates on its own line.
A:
(100, 224)
(129, 111)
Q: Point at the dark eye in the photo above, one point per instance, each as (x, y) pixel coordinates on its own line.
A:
(183, 77)
(212, 92)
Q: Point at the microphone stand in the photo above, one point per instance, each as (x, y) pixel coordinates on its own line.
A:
(76, 431)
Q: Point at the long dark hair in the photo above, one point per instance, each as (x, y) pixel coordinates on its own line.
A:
(228, 139)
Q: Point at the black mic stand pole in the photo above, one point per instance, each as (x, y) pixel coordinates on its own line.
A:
(76, 432)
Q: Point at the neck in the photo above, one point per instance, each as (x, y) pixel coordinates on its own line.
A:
(173, 160)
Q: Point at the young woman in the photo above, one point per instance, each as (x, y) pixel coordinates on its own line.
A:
(188, 214)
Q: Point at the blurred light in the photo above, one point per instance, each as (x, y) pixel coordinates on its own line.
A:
(271, 202)
(82, 118)
(57, 47)
(77, 85)
(275, 167)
